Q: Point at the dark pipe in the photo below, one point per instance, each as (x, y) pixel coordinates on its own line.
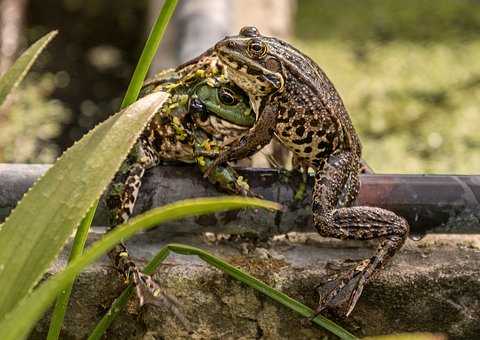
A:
(430, 203)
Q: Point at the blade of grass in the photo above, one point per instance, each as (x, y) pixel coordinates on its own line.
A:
(149, 51)
(17, 323)
(410, 336)
(263, 288)
(61, 305)
(22, 65)
(115, 309)
(236, 273)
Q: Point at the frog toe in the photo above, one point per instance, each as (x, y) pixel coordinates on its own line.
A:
(149, 292)
(340, 292)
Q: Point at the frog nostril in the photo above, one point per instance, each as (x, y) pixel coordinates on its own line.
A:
(231, 44)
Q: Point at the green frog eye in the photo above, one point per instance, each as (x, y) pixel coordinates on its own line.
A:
(256, 48)
(227, 97)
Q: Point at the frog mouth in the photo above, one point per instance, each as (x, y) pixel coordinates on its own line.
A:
(250, 76)
(238, 62)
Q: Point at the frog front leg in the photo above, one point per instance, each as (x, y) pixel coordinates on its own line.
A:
(255, 139)
(223, 177)
(340, 173)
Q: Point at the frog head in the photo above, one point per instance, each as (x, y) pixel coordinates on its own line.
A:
(253, 62)
(223, 99)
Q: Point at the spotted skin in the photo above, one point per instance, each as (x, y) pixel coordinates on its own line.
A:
(194, 119)
(295, 101)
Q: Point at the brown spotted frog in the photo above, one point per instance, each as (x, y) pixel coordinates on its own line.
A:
(294, 100)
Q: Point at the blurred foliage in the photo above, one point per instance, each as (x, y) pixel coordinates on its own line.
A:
(30, 120)
(409, 73)
(386, 20)
(414, 97)
(97, 48)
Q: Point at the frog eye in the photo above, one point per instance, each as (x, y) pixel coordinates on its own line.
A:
(227, 97)
(249, 31)
(256, 48)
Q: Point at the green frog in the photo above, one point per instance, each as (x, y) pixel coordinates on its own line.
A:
(204, 113)
(294, 100)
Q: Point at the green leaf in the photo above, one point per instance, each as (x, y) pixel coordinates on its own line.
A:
(131, 95)
(37, 229)
(61, 305)
(22, 65)
(22, 318)
(409, 336)
(149, 51)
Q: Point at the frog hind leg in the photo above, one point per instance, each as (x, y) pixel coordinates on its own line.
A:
(120, 202)
(341, 293)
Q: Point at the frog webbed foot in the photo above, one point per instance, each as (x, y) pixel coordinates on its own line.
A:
(149, 292)
(341, 287)
(217, 161)
(224, 177)
(227, 179)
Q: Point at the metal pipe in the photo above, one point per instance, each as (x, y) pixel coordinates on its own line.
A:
(430, 203)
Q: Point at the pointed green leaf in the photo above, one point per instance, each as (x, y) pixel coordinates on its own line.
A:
(37, 229)
(22, 318)
(22, 65)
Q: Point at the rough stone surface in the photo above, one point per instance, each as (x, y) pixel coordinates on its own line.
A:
(433, 285)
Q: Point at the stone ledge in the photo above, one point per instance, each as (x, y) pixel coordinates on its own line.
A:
(433, 285)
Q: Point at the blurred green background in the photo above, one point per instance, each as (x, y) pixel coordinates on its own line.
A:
(408, 71)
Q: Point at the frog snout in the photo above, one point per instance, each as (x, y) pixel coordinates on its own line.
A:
(226, 44)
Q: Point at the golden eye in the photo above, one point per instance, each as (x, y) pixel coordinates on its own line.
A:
(256, 48)
(227, 97)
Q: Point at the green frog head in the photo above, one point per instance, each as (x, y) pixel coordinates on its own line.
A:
(223, 99)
